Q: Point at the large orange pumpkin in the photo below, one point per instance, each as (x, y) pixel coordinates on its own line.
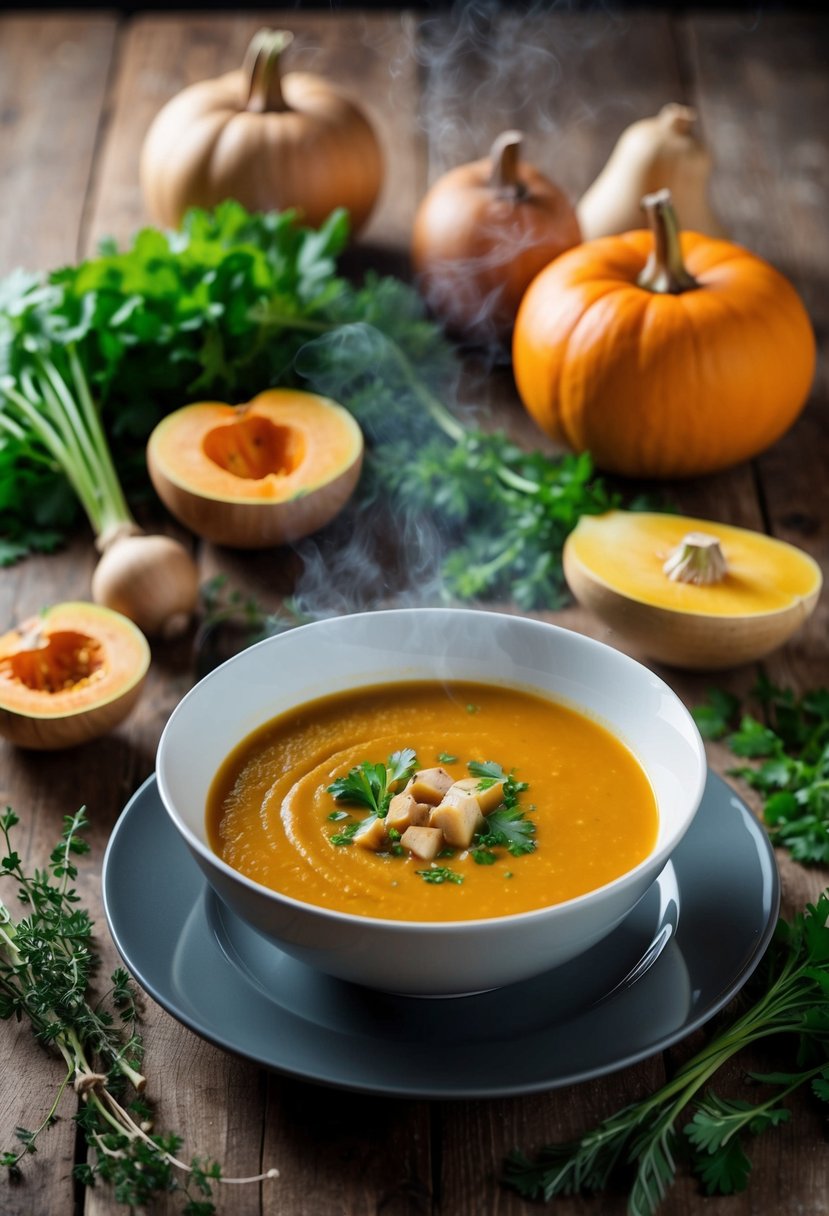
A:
(663, 354)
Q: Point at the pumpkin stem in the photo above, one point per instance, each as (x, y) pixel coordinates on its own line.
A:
(698, 558)
(505, 156)
(261, 67)
(665, 270)
(677, 118)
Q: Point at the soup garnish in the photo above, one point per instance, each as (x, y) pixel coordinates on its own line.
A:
(426, 813)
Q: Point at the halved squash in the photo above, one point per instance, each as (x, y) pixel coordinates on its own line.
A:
(265, 473)
(69, 675)
(691, 593)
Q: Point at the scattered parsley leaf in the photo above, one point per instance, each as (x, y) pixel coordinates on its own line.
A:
(790, 751)
(439, 875)
(446, 758)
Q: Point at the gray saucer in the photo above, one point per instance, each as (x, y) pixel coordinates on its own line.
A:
(684, 951)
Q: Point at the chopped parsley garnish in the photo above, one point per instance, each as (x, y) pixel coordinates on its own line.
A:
(373, 785)
(346, 835)
(447, 758)
(440, 874)
(505, 830)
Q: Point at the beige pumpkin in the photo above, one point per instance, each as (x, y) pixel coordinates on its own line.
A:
(269, 141)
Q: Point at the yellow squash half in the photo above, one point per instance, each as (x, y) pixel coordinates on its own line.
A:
(689, 592)
(70, 674)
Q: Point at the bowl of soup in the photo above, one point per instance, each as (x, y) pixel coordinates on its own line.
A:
(431, 801)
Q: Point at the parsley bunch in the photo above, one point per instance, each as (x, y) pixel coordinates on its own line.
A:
(792, 746)
(46, 966)
(235, 303)
(790, 999)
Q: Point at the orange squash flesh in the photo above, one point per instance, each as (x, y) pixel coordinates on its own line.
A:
(69, 675)
(614, 566)
(259, 474)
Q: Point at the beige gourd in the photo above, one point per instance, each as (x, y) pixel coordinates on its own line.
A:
(268, 140)
(652, 154)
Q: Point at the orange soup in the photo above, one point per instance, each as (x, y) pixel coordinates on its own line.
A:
(576, 812)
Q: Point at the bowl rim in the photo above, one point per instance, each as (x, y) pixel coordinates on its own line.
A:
(655, 860)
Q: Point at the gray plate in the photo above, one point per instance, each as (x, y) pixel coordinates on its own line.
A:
(684, 951)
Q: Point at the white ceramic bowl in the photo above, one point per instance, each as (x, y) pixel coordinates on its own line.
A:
(347, 652)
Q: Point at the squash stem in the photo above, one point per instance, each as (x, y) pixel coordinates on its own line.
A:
(665, 271)
(505, 156)
(262, 70)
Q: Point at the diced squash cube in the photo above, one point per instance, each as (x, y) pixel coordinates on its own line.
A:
(371, 834)
(405, 811)
(458, 817)
(489, 798)
(423, 842)
(429, 785)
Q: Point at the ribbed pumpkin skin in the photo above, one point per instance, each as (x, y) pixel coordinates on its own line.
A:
(204, 147)
(663, 385)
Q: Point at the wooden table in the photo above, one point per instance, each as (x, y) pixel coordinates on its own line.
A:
(77, 93)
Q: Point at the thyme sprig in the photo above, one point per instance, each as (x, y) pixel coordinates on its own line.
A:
(47, 964)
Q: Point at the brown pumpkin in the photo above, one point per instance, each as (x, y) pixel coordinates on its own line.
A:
(481, 235)
(268, 141)
(663, 355)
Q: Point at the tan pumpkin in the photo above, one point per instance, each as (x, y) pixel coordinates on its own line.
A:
(691, 593)
(269, 141)
(663, 354)
(482, 233)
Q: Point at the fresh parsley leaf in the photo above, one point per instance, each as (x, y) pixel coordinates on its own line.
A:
(486, 769)
(483, 856)
(345, 837)
(446, 758)
(510, 828)
(716, 716)
(439, 875)
(374, 785)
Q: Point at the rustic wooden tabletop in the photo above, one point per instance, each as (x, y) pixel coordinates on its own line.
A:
(77, 93)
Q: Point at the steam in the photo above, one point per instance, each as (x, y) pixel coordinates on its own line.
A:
(484, 67)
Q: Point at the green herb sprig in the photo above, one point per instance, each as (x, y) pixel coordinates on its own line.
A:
(791, 742)
(374, 785)
(46, 967)
(507, 826)
(790, 999)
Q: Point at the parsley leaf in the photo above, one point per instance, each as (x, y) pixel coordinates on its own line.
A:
(790, 751)
(510, 828)
(373, 785)
(439, 875)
